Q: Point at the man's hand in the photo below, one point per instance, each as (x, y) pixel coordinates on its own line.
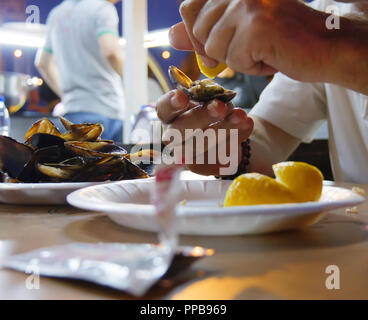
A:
(177, 112)
(256, 37)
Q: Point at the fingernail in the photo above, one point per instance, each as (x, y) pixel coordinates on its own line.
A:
(212, 109)
(209, 62)
(175, 101)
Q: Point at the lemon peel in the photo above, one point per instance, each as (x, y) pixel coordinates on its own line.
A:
(210, 72)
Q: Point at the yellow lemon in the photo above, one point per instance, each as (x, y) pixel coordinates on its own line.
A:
(303, 179)
(295, 182)
(210, 72)
(254, 188)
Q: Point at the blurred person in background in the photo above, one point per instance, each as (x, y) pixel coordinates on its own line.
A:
(82, 62)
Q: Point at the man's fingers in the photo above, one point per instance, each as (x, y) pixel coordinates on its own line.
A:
(171, 105)
(226, 151)
(189, 10)
(179, 38)
(236, 124)
(199, 117)
(210, 14)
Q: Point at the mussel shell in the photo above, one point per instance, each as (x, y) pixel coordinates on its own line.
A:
(43, 140)
(178, 77)
(84, 132)
(53, 154)
(110, 169)
(42, 126)
(200, 90)
(66, 123)
(225, 97)
(63, 170)
(3, 176)
(207, 90)
(144, 159)
(95, 149)
(133, 171)
(14, 156)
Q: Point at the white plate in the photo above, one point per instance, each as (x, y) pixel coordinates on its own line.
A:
(38, 193)
(127, 203)
(41, 193)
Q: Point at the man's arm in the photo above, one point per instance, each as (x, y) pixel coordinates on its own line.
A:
(45, 64)
(349, 51)
(261, 37)
(112, 51)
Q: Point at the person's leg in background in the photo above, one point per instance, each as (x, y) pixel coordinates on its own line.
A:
(113, 128)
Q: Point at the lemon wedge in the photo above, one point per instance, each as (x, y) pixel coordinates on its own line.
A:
(254, 188)
(302, 178)
(295, 182)
(210, 72)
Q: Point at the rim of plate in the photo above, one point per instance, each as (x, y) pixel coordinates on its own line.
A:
(56, 185)
(79, 200)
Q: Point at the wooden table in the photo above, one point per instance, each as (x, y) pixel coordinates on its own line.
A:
(289, 265)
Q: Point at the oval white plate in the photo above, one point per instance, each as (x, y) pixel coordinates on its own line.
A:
(127, 203)
(40, 193)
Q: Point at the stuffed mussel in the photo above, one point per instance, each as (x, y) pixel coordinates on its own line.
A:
(77, 155)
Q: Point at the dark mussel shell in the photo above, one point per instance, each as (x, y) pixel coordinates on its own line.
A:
(53, 154)
(113, 169)
(63, 170)
(42, 126)
(133, 171)
(14, 156)
(144, 159)
(95, 149)
(200, 90)
(43, 140)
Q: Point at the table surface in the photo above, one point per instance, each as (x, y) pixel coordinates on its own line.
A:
(288, 265)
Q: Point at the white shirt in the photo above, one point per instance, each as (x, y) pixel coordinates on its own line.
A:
(88, 82)
(301, 108)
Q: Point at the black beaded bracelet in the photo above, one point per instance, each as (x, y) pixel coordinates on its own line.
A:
(246, 154)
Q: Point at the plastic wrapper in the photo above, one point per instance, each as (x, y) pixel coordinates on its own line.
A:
(133, 268)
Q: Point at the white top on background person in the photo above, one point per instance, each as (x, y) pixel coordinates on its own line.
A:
(82, 59)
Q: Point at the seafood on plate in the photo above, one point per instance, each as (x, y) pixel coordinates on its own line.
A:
(77, 155)
(200, 90)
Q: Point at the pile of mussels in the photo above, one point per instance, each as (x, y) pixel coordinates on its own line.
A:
(78, 155)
